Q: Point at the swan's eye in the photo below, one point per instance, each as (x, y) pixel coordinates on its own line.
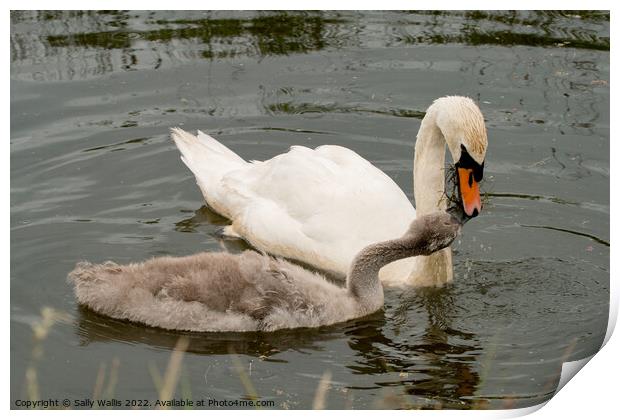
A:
(466, 161)
(478, 171)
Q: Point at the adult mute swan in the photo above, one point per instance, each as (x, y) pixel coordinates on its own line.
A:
(249, 291)
(323, 206)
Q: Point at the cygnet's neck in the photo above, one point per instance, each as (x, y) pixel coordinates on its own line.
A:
(363, 277)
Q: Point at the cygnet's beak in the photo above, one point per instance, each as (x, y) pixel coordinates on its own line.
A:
(470, 192)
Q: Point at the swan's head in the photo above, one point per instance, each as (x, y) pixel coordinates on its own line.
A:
(462, 126)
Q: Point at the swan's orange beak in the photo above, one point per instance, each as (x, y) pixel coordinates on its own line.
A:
(470, 192)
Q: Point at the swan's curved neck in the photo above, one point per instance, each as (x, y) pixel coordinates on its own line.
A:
(428, 166)
(428, 190)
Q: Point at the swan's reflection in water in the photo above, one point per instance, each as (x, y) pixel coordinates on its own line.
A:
(432, 362)
(203, 218)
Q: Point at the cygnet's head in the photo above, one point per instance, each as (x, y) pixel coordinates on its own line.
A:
(433, 232)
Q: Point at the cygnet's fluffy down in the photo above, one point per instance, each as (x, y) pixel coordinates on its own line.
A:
(213, 292)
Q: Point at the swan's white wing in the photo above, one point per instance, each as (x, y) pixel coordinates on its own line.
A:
(320, 206)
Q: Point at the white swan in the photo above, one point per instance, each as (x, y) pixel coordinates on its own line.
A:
(249, 291)
(322, 206)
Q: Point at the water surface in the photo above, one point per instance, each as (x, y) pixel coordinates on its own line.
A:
(95, 176)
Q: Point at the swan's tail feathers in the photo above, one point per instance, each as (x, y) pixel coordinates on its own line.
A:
(197, 147)
(209, 161)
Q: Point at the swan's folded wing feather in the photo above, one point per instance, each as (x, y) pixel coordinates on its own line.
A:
(209, 161)
(215, 146)
(315, 205)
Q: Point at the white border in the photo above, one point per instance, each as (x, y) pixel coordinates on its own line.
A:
(593, 394)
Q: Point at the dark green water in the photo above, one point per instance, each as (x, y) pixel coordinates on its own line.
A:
(95, 176)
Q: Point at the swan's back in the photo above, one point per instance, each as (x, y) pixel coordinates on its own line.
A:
(212, 292)
(304, 204)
